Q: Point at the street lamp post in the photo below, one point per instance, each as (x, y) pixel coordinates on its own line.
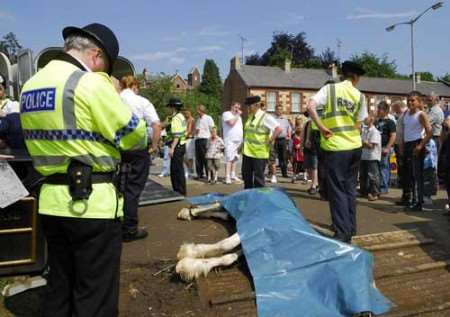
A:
(411, 22)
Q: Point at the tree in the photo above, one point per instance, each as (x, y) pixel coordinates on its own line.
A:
(159, 91)
(253, 59)
(446, 77)
(427, 76)
(328, 57)
(10, 46)
(211, 84)
(376, 66)
(285, 46)
(299, 51)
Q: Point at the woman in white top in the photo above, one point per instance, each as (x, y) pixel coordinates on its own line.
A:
(416, 134)
(138, 160)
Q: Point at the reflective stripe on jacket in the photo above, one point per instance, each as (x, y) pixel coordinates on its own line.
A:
(256, 137)
(69, 114)
(340, 116)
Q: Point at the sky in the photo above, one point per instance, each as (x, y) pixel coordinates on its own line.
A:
(176, 35)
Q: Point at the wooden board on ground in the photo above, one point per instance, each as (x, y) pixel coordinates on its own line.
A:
(410, 269)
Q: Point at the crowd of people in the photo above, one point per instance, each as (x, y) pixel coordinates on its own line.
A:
(77, 129)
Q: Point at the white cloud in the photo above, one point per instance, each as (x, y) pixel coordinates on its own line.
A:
(209, 48)
(6, 16)
(370, 14)
(214, 31)
(172, 55)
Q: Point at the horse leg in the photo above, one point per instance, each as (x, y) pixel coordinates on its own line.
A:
(202, 250)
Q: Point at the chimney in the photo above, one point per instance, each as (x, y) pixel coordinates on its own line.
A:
(235, 63)
(334, 71)
(418, 78)
(287, 65)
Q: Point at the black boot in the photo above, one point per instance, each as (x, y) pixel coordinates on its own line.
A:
(139, 233)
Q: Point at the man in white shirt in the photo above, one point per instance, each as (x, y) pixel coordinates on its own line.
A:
(232, 136)
(203, 127)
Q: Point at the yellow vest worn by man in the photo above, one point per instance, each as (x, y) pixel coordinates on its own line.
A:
(177, 128)
(69, 114)
(340, 116)
(256, 137)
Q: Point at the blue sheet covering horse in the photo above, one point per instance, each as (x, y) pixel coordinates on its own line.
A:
(295, 270)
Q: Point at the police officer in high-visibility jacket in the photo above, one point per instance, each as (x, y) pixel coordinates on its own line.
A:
(176, 140)
(260, 131)
(75, 126)
(344, 110)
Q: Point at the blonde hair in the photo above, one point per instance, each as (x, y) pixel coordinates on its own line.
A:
(129, 82)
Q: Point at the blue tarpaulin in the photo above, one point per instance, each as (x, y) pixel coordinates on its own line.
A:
(295, 270)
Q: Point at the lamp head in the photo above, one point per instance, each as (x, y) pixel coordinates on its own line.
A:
(437, 5)
(390, 28)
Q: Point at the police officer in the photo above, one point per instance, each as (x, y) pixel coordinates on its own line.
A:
(176, 139)
(75, 125)
(260, 131)
(344, 109)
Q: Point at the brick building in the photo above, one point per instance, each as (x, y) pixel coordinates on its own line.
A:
(291, 87)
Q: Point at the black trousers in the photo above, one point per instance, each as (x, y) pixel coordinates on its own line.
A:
(342, 173)
(84, 261)
(400, 158)
(322, 174)
(200, 157)
(281, 150)
(139, 166)
(253, 172)
(177, 170)
(414, 172)
(369, 177)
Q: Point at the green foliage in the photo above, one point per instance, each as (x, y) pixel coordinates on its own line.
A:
(211, 84)
(279, 57)
(159, 91)
(446, 77)
(376, 66)
(427, 76)
(10, 45)
(192, 98)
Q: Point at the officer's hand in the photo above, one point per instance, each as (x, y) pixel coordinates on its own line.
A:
(326, 133)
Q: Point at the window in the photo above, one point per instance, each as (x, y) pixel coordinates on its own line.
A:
(296, 102)
(271, 100)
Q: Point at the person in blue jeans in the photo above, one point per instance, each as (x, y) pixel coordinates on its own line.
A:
(386, 126)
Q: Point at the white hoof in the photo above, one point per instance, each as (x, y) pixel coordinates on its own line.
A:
(184, 214)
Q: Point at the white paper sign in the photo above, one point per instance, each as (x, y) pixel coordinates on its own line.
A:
(11, 188)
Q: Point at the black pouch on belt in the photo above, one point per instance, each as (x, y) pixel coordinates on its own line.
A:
(79, 180)
(121, 181)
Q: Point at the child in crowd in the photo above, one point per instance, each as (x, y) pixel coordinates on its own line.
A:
(214, 149)
(297, 154)
(369, 174)
(166, 157)
(429, 172)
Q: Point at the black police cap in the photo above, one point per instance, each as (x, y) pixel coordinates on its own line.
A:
(252, 100)
(102, 35)
(175, 102)
(353, 68)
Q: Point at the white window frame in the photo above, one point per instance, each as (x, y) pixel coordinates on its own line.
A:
(299, 109)
(271, 104)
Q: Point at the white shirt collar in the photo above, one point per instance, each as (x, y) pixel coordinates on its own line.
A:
(84, 65)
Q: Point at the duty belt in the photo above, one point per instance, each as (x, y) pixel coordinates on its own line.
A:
(97, 178)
